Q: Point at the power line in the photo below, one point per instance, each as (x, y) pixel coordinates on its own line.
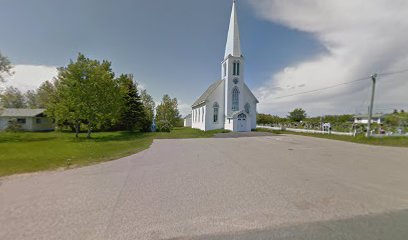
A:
(341, 84)
(392, 73)
(325, 88)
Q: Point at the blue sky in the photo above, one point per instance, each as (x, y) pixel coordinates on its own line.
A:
(171, 47)
(176, 46)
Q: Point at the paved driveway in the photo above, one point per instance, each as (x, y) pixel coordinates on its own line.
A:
(271, 187)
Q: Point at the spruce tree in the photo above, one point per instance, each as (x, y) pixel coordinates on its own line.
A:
(132, 112)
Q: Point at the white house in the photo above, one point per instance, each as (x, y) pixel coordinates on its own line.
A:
(363, 118)
(228, 103)
(187, 121)
(29, 119)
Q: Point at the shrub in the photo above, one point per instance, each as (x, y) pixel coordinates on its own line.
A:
(14, 126)
(164, 126)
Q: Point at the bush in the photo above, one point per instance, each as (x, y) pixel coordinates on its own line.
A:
(179, 122)
(14, 126)
(164, 126)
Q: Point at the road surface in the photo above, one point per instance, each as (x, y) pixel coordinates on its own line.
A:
(266, 187)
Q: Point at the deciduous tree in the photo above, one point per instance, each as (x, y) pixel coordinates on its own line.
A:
(5, 67)
(297, 115)
(167, 110)
(12, 98)
(148, 108)
(31, 99)
(45, 94)
(86, 92)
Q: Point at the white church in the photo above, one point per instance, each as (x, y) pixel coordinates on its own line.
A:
(227, 103)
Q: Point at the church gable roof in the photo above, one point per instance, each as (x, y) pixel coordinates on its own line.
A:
(250, 92)
(207, 93)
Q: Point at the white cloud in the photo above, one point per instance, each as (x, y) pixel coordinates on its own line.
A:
(184, 108)
(27, 77)
(361, 37)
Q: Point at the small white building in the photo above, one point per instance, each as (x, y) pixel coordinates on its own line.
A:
(29, 119)
(187, 121)
(228, 103)
(363, 118)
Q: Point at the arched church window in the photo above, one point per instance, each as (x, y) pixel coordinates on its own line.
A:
(238, 66)
(225, 69)
(199, 115)
(242, 116)
(216, 107)
(247, 108)
(235, 99)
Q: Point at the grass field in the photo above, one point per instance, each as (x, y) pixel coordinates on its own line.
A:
(386, 141)
(24, 152)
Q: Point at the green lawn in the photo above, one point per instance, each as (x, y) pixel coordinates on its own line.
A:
(30, 152)
(386, 141)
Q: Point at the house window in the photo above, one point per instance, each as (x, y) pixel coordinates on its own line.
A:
(21, 120)
(38, 120)
(235, 99)
(216, 107)
(247, 108)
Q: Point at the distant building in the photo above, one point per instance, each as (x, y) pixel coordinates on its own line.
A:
(29, 119)
(227, 103)
(188, 121)
(363, 118)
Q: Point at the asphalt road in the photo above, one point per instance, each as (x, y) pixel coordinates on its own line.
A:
(270, 187)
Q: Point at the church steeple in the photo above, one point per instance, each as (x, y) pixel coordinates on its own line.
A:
(233, 46)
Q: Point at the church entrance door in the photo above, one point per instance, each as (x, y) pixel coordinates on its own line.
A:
(241, 123)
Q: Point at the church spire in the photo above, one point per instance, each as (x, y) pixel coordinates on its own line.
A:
(233, 46)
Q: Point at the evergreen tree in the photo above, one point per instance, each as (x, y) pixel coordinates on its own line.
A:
(132, 112)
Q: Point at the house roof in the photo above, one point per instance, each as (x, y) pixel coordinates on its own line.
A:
(207, 93)
(21, 112)
(188, 116)
(377, 115)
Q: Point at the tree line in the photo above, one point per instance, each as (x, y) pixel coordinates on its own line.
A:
(343, 123)
(86, 94)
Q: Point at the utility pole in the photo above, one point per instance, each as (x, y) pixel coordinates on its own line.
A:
(370, 110)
